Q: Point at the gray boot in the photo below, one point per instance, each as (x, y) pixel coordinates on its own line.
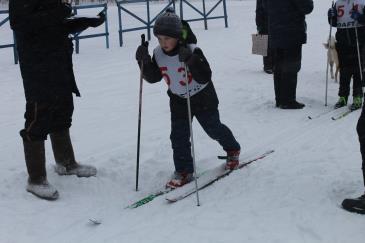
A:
(35, 160)
(65, 157)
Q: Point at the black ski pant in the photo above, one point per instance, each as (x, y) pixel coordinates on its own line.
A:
(180, 137)
(42, 118)
(287, 63)
(361, 133)
(349, 68)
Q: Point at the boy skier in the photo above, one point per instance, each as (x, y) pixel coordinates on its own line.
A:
(348, 17)
(176, 47)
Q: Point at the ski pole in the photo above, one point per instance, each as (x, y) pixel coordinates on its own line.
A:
(359, 57)
(328, 63)
(191, 131)
(139, 114)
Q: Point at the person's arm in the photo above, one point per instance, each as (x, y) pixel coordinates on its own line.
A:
(304, 6)
(260, 16)
(199, 67)
(151, 71)
(34, 15)
(78, 24)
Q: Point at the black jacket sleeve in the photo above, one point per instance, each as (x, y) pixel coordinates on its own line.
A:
(199, 67)
(261, 17)
(151, 71)
(76, 25)
(304, 6)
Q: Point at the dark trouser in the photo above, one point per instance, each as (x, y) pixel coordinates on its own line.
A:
(268, 60)
(349, 68)
(287, 63)
(361, 133)
(42, 118)
(180, 137)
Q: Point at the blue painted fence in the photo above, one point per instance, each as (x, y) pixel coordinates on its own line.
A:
(147, 22)
(13, 45)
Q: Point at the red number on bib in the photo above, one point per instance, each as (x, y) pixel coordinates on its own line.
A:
(190, 77)
(165, 75)
(340, 11)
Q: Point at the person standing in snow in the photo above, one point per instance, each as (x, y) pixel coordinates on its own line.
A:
(176, 47)
(348, 17)
(262, 26)
(42, 31)
(358, 204)
(287, 34)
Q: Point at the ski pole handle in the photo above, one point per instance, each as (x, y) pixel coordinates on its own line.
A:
(143, 39)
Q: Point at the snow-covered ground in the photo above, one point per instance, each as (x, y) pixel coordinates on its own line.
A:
(293, 195)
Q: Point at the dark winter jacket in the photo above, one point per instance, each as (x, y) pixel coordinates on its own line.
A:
(261, 18)
(45, 50)
(199, 68)
(201, 72)
(287, 26)
(347, 36)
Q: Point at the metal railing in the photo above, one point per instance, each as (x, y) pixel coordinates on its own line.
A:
(205, 13)
(147, 22)
(13, 45)
(77, 37)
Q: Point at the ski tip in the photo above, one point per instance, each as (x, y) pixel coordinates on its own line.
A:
(170, 200)
(94, 221)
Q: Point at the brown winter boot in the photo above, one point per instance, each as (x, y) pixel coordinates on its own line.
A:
(65, 157)
(35, 160)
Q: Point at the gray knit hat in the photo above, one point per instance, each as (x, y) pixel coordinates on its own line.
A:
(168, 24)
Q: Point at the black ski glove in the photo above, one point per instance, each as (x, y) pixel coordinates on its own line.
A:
(65, 10)
(95, 22)
(184, 53)
(142, 54)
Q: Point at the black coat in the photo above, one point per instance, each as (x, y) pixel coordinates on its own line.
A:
(287, 26)
(261, 18)
(44, 47)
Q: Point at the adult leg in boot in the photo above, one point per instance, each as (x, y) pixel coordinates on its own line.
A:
(35, 160)
(356, 205)
(65, 157)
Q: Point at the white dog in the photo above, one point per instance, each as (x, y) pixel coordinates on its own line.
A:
(332, 56)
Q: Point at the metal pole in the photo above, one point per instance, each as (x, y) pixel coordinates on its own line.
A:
(191, 132)
(328, 63)
(205, 16)
(359, 57)
(139, 115)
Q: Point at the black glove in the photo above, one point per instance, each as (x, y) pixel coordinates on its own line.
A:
(65, 10)
(184, 53)
(332, 12)
(95, 22)
(142, 54)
